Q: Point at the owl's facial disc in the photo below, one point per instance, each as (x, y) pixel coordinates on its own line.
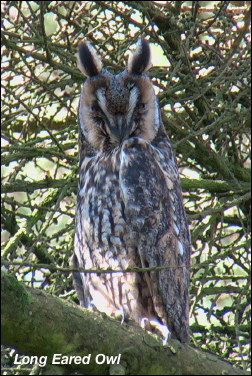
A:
(114, 108)
(118, 120)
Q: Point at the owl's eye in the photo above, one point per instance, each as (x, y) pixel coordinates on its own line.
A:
(98, 115)
(95, 108)
(100, 121)
(141, 106)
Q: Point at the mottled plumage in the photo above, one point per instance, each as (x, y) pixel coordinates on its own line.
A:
(129, 206)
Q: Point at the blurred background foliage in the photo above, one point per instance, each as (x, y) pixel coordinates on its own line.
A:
(201, 73)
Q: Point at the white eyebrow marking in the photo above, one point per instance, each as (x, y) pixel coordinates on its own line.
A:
(132, 102)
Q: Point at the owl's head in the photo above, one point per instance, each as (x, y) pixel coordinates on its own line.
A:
(114, 107)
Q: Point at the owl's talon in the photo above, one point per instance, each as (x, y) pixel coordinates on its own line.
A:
(144, 322)
(157, 327)
(122, 314)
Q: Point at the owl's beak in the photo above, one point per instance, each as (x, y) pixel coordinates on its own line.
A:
(120, 129)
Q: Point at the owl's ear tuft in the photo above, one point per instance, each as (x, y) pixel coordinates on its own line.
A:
(140, 60)
(88, 61)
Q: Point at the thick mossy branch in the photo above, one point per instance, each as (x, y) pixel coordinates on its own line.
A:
(56, 326)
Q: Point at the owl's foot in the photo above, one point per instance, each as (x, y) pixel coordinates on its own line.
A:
(122, 316)
(119, 315)
(155, 326)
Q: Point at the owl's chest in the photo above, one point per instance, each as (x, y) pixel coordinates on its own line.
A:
(100, 201)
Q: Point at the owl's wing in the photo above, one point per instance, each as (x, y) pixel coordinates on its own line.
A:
(154, 211)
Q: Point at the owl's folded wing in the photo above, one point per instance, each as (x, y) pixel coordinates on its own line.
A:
(154, 212)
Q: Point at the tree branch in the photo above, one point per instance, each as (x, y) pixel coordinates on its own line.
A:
(54, 326)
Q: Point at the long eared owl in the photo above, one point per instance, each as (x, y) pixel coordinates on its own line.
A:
(129, 207)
